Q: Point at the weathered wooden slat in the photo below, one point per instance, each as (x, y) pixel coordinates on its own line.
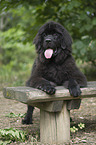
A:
(30, 95)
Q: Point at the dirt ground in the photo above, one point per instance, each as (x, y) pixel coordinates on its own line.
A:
(86, 114)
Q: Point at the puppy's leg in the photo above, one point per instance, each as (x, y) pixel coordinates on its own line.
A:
(74, 88)
(28, 117)
(43, 85)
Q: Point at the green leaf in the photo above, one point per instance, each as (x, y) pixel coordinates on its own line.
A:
(81, 125)
(94, 21)
(73, 129)
(88, 27)
(5, 142)
(13, 135)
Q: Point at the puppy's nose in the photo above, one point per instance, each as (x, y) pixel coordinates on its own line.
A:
(48, 40)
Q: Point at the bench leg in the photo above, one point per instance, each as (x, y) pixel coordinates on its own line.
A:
(55, 127)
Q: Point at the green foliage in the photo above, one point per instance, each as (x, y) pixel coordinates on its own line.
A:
(13, 51)
(5, 142)
(16, 58)
(13, 115)
(12, 135)
(91, 53)
(73, 129)
(11, 77)
(80, 126)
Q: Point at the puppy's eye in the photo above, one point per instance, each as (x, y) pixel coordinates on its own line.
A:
(54, 34)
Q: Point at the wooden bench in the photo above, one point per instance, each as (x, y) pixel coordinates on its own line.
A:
(54, 110)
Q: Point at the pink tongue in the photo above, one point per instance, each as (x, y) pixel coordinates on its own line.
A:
(48, 53)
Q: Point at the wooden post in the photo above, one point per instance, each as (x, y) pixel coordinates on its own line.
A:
(55, 127)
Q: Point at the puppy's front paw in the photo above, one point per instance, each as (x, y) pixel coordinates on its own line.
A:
(75, 91)
(47, 88)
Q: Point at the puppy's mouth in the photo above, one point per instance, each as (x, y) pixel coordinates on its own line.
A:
(49, 53)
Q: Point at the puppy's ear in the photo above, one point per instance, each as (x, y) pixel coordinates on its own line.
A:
(66, 40)
(38, 38)
(37, 42)
(63, 44)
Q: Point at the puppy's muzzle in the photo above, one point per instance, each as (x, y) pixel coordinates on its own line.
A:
(48, 40)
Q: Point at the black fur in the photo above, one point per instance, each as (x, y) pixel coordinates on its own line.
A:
(60, 69)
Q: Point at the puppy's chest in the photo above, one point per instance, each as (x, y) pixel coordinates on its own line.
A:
(56, 74)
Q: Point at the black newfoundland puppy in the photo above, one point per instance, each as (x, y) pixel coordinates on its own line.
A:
(54, 65)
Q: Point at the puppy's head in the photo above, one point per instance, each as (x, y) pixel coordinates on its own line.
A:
(51, 40)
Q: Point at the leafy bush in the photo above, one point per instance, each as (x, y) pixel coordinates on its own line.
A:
(91, 53)
(85, 50)
(12, 135)
(13, 52)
